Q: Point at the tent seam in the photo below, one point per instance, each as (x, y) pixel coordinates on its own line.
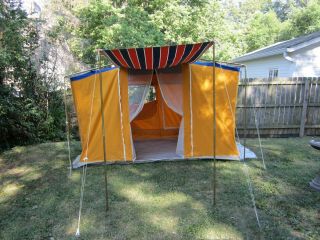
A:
(191, 116)
(121, 116)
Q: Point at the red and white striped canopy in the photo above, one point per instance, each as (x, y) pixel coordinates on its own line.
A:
(157, 57)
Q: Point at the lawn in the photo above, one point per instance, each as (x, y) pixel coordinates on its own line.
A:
(168, 200)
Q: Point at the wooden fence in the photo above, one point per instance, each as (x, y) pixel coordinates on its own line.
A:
(281, 106)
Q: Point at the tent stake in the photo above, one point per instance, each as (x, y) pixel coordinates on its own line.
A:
(103, 132)
(214, 124)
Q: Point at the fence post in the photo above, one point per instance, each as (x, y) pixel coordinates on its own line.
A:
(304, 106)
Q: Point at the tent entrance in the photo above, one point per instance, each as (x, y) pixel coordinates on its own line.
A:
(155, 129)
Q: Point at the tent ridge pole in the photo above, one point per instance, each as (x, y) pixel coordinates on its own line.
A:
(85, 71)
(103, 131)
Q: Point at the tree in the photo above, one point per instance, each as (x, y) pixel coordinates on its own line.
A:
(263, 30)
(23, 93)
(237, 27)
(303, 20)
(140, 23)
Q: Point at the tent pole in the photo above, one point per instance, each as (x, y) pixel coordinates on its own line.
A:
(65, 89)
(245, 114)
(103, 132)
(214, 124)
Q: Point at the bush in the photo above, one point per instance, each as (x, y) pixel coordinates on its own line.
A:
(22, 121)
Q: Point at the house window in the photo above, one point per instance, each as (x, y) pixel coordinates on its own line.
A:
(273, 73)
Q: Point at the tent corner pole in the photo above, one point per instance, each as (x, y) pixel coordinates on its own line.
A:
(67, 122)
(214, 123)
(103, 129)
(245, 114)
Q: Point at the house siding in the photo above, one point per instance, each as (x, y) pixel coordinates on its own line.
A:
(259, 68)
(306, 63)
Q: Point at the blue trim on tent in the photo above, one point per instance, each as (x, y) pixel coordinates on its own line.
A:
(90, 73)
(219, 65)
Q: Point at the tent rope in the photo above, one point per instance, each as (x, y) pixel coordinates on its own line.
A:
(245, 166)
(258, 131)
(246, 172)
(259, 139)
(84, 168)
(67, 124)
(255, 120)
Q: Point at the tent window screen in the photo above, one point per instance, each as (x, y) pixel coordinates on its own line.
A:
(135, 93)
(138, 89)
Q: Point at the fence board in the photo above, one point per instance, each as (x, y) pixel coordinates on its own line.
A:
(283, 106)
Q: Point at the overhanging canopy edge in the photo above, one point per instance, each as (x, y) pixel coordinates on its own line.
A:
(157, 57)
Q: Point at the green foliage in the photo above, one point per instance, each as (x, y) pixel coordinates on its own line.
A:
(144, 23)
(29, 110)
(303, 20)
(237, 28)
(263, 30)
(24, 120)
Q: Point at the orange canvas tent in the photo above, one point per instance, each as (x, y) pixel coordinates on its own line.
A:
(157, 104)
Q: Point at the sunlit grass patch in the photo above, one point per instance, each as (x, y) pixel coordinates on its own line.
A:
(9, 190)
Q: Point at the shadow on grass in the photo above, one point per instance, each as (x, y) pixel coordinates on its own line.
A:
(171, 200)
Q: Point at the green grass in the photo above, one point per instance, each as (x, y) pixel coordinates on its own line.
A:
(168, 200)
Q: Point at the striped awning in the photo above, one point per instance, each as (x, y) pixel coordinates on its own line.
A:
(157, 57)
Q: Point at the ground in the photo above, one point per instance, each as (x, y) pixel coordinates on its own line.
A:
(168, 200)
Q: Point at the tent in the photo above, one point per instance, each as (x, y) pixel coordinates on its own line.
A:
(157, 103)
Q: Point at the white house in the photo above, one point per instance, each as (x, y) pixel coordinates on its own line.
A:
(298, 57)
